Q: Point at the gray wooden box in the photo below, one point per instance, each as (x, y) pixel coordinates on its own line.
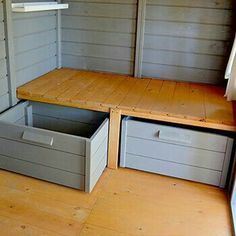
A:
(59, 144)
(178, 152)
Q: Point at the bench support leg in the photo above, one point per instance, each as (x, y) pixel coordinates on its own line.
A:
(114, 138)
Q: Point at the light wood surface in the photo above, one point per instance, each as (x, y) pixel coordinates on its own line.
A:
(186, 103)
(176, 102)
(123, 203)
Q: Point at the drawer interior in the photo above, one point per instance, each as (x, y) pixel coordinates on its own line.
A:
(67, 120)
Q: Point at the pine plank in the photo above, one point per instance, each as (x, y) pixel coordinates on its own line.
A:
(165, 97)
(177, 102)
(218, 110)
(117, 96)
(135, 93)
(128, 202)
(148, 100)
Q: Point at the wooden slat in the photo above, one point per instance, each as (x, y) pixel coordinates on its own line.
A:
(177, 102)
(164, 100)
(132, 98)
(150, 96)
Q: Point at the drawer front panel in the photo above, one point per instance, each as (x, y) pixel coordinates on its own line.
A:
(43, 156)
(61, 142)
(173, 169)
(178, 136)
(175, 153)
(42, 172)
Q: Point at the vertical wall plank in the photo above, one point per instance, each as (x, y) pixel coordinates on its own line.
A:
(140, 38)
(59, 38)
(10, 53)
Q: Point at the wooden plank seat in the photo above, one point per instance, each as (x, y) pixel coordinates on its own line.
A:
(185, 103)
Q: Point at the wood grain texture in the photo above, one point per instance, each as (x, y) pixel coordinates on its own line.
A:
(183, 103)
(123, 203)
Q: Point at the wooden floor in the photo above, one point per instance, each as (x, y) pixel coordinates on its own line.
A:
(184, 103)
(124, 202)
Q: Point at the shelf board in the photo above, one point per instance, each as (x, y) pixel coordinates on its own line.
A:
(37, 6)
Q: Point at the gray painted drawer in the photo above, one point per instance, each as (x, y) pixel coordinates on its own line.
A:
(75, 154)
(175, 135)
(178, 152)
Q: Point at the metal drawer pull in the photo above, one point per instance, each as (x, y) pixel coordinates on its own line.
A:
(173, 137)
(37, 138)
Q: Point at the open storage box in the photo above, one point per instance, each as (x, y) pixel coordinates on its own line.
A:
(63, 145)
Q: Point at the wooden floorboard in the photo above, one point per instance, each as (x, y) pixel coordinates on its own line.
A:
(124, 202)
(185, 103)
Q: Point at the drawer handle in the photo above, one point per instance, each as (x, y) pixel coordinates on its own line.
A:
(181, 139)
(37, 138)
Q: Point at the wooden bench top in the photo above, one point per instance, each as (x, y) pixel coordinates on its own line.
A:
(177, 102)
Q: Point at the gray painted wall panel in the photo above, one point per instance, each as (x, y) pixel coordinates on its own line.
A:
(35, 44)
(4, 102)
(3, 68)
(34, 56)
(2, 50)
(187, 40)
(91, 50)
(97, 64)
(99, 35)
(34, 71)
(189, 3)
(98, 38)
(4, 87)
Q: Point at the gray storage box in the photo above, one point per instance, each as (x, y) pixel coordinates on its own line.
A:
(179, 152)
(59, 144)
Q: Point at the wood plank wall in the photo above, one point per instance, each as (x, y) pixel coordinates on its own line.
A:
(187, 40)
(35, 44)
(4, 89)
(99, 35)
(184, 40)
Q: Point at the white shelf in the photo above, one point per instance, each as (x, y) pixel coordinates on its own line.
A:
(37, 6)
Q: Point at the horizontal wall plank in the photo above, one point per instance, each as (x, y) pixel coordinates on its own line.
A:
(182, 73)
(34, 41)
(188, 45)
(227, 4)
(2, 50)
(30, 26)
(3, 86)
(193, 15)
(34, 71)
(97, 64)
(184, 59)
(113, 52)
(101, 38)
(32, 57)
(100, 10)
(32, 15)
(200, 31)
(92, 23)
(3, 68)
(108, 1)
(99, 35)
